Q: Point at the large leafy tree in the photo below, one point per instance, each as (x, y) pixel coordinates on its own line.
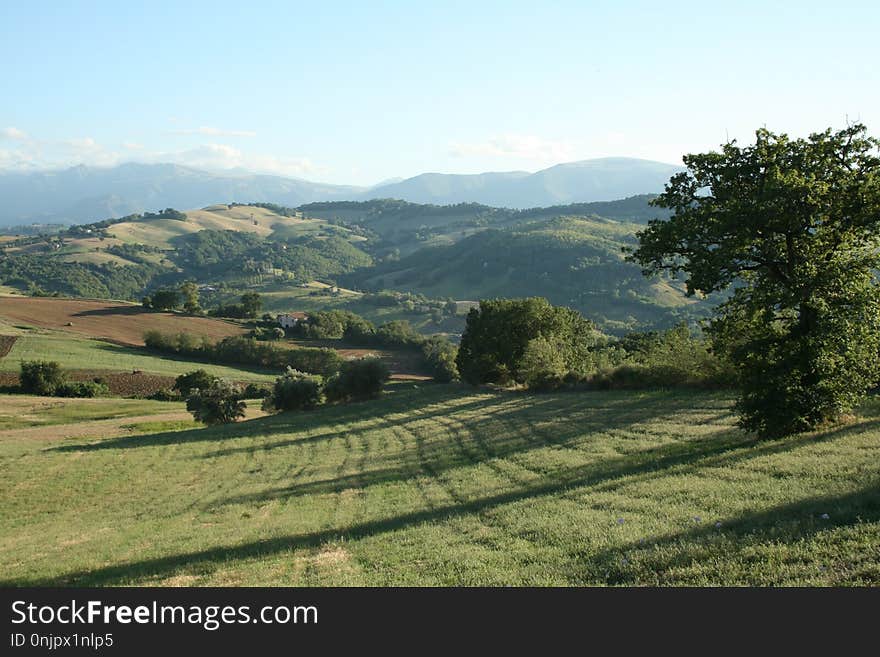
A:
(793, 226)
(498, 334)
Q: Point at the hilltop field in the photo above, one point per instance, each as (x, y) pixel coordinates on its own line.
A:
(440, 485)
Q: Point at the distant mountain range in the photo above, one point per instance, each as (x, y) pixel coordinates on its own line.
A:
(81, 194)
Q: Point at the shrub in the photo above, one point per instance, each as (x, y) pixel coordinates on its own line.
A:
(358, 379)
(219, 403)
(439, 354)
(165, 394)
(196, 380)
(295, 391)
(40, 377)
(256, 391)
(82, 389)
(398, 333)
(325, 362)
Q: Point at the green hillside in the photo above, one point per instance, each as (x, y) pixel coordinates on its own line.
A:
(573, 261)
(448, 486)
(464, 252)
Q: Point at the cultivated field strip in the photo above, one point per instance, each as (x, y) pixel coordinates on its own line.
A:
(437, 485)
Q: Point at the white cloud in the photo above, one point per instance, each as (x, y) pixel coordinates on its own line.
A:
(224, 156)
(213, 132)
(81, 144)
(13, 133)
(517, 147)
(35, 154)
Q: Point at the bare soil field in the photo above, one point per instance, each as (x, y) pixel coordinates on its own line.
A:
(112, 320)
(6, 342)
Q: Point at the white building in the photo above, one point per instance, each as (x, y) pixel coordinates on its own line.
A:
(289, 320)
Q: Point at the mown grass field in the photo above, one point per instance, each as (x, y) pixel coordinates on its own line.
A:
(20, 411)
(97, 355)
(445, 485)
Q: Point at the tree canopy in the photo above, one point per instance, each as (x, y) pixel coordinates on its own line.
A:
(793, 226)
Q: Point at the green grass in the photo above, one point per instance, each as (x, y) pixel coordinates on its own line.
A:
(21, 411)
(442, 485)
(156, 426)
(74, 353)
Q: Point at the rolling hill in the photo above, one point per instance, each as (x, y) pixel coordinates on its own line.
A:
(569, 254)
(574, 261)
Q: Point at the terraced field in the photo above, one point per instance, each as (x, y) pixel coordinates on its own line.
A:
(442, 485)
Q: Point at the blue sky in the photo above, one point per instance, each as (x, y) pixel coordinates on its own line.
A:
(360, 92)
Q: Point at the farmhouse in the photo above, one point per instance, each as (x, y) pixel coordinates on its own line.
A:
(289, 320)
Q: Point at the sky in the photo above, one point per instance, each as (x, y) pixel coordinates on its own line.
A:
(360, 92)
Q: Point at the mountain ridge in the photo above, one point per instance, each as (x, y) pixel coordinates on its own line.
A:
(83, 193)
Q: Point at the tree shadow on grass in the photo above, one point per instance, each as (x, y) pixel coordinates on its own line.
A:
(330, 418)
(471, 442)
(726, 446)
(786, 524)
(208, 560)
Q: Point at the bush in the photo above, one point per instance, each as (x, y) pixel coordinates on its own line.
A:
(358, 379)
(82, 389)
(40, 377)
(256, 391)
(295, 391)
(196, 380)
(325, 362)
(165, 394)
(398, 333)
(439, 354)
(219, 403)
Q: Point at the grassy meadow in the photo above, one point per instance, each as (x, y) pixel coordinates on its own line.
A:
(20, 411)
(83, 354)
(447, 485)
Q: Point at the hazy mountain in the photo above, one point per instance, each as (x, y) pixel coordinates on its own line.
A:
(82, 194)
(602, 179)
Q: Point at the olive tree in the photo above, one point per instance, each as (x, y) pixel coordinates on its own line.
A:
(792, 227)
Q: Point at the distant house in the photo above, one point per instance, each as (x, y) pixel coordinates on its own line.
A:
(289, 320)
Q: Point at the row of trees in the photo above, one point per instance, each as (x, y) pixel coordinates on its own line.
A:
(239, 350)
(533, 343)
(48, 379)
(212, 400)
(437, 351)
(186, 296)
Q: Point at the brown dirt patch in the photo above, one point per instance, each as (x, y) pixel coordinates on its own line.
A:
(121, 384)
(113, 320)
(6, 342)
